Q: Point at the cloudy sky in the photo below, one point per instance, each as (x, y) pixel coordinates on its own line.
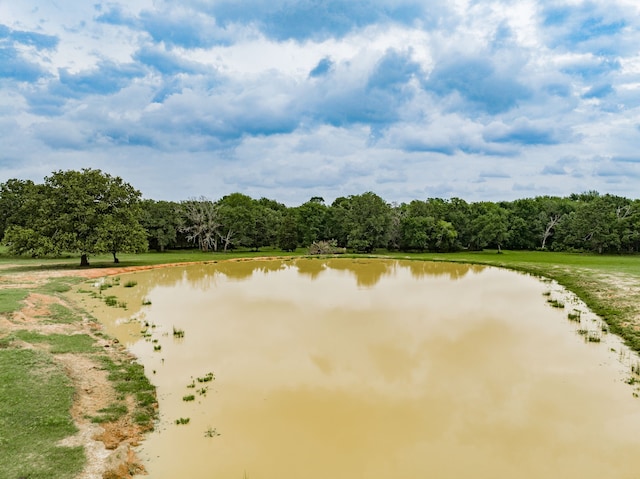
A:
(480, 99)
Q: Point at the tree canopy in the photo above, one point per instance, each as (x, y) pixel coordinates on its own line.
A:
(86, 212)
(91, 212)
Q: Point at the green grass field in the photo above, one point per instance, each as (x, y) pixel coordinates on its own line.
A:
(35, 398)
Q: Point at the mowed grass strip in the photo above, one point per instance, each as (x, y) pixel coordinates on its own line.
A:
(60, 343)
(35, 400)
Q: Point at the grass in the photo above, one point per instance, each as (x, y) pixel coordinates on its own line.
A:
(188, 398)
(111, 413)
(11, 299)
(575, 316)
(59, 285)
(206, 378)
(72, 262)
(62, 315)
(555, 303)
(178, 333)
(35, 399)
(129, 379)
(211, 432)
(60, 343)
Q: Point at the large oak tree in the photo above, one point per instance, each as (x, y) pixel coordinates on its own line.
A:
(86, 212)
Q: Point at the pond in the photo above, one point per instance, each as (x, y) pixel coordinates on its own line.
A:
(343, 368)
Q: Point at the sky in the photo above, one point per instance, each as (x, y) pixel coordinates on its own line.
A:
(481, 100)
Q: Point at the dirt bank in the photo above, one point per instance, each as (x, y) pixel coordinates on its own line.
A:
(108, 444)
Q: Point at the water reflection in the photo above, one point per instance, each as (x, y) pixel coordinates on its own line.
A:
(378, 369)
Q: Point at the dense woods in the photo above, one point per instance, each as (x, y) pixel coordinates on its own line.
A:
(90, 212)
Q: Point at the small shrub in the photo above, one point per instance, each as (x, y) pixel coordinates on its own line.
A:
(325, 247)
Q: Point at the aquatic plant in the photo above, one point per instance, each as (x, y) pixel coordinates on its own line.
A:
(207, 378)
(188, 397)
(211, 432)
(178, 333)
(555, 303)
(183, 420)
(575, 316)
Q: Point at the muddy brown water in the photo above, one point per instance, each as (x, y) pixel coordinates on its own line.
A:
(374, 369)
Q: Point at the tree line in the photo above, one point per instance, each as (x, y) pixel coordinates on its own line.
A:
(91, 212)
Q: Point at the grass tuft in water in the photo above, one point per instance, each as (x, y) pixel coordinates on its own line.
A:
(188, 398)
(130, 284)
(178, 333)
(575, 315)
(211, 432)
(207, 378)
(555, 303)
(183, 420)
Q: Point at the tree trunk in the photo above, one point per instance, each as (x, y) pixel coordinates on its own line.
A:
(115, 259)
(84, 260)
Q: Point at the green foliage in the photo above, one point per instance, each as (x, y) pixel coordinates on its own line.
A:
(86, 211)
(35, 399)
(161, 221)
(288, 233)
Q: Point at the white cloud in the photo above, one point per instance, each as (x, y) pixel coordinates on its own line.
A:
(482, 100)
